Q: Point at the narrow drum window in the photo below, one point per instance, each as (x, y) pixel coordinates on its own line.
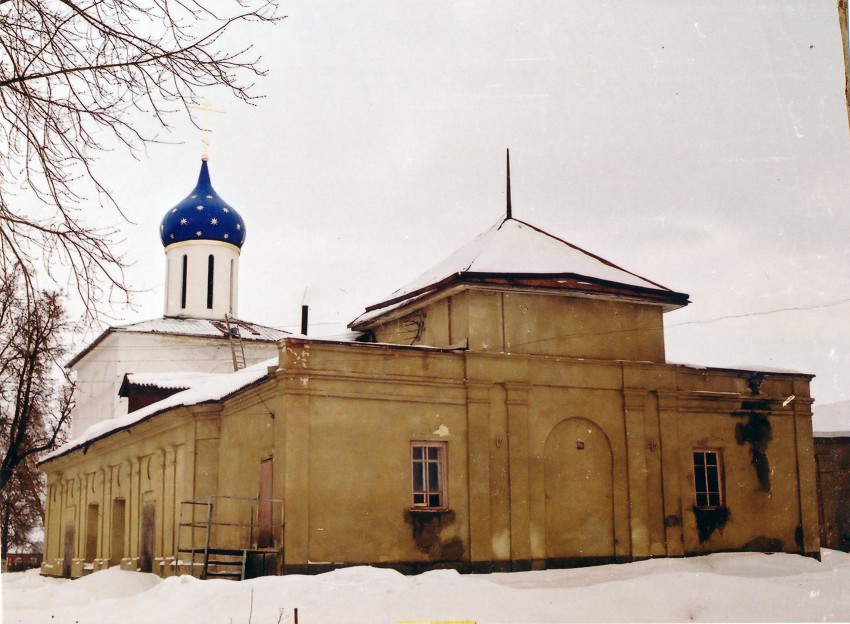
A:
(232, 292)
(183, 281)
(428, 464)
(210, 270)
(708, 480)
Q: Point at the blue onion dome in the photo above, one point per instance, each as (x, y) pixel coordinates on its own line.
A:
(203, 215)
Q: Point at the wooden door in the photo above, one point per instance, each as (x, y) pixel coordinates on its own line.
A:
(116, 553)
(68, 553)
(92, 532)
(265, 509)
(148, 532)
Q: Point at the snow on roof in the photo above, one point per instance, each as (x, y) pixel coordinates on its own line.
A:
(513, 247)
(203, 327)
(758, 368)
(174, 380)
(337, 336)
(744, 368)
(214, 388)
(181, 326)
(831, 420)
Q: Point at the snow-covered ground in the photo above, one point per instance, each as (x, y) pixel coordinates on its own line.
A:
(730, 587)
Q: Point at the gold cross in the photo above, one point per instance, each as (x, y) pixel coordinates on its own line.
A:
(207, 108)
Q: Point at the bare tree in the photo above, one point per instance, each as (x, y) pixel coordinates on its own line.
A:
(35, 400)
(35, 392)
(22, 509)
(844, 25)
(73, 76)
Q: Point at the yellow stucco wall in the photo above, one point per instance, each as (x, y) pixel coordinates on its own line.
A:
(507, 419)
(551, 460)
(534, 323)
(100, 491)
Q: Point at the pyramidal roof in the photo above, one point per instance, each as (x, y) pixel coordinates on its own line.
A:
(517, 253)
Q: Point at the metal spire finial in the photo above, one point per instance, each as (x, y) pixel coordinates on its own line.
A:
(509, 211)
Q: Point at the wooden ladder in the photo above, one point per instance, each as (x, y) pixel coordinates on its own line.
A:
(237, 349)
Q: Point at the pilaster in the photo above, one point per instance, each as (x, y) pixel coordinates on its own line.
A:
(170, 502)
(478, 442)
(807, 476)
(134, 503)
(103, 512)
(518, 471)
(671, 471)
(633, 408)
(296, 482)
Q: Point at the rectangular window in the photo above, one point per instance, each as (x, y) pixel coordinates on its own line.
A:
(210, 281)
(428, 463)
(708, 480)
(183, 279)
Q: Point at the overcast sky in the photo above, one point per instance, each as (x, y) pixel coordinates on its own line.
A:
(702, 145)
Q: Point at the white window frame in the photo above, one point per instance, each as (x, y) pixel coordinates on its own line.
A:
(711, 499)
(423, 490)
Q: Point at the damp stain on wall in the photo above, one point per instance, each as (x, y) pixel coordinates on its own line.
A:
(710, 520)
(426, 531)
(757, 432)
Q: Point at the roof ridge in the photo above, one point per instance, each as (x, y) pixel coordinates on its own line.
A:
(591, 254)
(515, 247)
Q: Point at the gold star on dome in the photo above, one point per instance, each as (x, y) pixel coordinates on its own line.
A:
(238, 226)
(199, 207)
(214, 221)
(183, 221)
(198, 233)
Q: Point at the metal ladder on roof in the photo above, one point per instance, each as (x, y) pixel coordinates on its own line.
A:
(237, 348)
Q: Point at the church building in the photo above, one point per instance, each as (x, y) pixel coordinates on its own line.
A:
(200, 331)
(510, 409)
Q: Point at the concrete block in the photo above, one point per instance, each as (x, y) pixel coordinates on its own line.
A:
(165, 566)
(50, 569)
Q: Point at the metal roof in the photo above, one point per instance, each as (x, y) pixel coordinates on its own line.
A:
(515, 251)
(193, 327)
(182, 380)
